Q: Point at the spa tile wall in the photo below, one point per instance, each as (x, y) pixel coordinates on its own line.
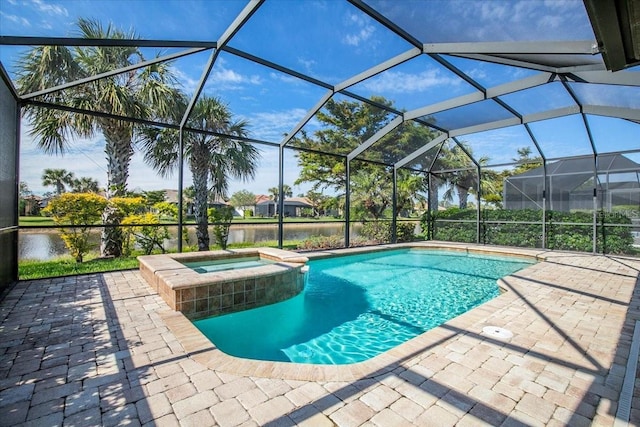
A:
(239, 294)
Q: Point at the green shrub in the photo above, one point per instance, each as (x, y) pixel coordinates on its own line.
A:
(376, 231)
(221, 219)
(564, 230)
(321, 242)
(380, 231)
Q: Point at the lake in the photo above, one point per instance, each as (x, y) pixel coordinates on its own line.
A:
(44, 244)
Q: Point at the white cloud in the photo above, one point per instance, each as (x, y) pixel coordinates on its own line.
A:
(307, 64)
(362, 30)
(227, 79)
(400, 82)
(50, 8)
(17, 19)
(272, 126)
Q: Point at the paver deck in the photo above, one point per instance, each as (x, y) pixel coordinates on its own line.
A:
(104, 349)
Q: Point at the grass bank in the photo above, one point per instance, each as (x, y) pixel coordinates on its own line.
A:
(67, 266)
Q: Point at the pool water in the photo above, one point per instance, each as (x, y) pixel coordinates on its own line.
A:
(226, 264)
(357, 306)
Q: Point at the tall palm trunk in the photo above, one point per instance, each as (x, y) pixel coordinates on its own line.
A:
(463, 195)
(118, 149)
(200, 171)
(434, 184)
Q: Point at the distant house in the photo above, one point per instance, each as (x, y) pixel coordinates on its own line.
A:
(570, 184)
(293, 206)
(32, 205)
(171, 196)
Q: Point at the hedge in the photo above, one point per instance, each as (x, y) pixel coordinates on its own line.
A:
(564, 230)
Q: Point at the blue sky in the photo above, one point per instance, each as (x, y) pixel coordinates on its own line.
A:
(331, 41)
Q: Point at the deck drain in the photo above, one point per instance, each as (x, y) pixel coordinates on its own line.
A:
(497, 332)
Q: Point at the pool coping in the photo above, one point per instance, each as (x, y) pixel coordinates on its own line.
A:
(204, 351)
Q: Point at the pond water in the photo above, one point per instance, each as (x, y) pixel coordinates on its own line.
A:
(45, 244)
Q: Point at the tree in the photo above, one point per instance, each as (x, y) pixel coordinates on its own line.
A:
(212, 159)
(524, 161)
(318, 202)
(144, 94)
(493, 181)
(372, 194)
(244, 200)
(85, 185)
(464, 177)
(221, 218)
(346, 125)
(27, 205)
(23, 190)
(77, 212)
(57, 178)
(153, 197)
(275, 196)
(410, 190)
(146, 230)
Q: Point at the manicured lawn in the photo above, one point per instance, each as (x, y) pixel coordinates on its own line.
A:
(35, 221)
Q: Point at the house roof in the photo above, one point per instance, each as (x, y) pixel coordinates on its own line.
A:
(582, 165)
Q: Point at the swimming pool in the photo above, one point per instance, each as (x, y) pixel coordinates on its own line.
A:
(355, 307)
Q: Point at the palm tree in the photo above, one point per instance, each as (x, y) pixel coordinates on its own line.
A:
(212, 159)
(465, 178)
(85, 185)
(410, 190)
(57, 178)
(371, 194)
(274, 192)
(146, 94)
(524, 160)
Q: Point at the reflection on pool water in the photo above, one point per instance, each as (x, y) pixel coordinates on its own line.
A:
(357, 306)
(227, 264)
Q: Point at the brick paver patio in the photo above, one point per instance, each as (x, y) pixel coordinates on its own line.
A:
(104, 349)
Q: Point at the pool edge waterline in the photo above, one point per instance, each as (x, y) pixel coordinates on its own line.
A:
(206, 353)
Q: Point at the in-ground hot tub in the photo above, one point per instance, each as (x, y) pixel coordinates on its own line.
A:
(203, 284)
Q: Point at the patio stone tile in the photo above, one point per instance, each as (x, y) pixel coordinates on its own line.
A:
(536, 407)
(180, 392)
(123, 415)
(305, 393)
(153, 407)
(56, 392)
(81, 401)
(380, 397)
(169, 420)
(388, 418)
(234, 388)
(272, 387)
(437, 416)
(273, 411)
(353, 414)
(198, 419)
(164, 384)
(110, 351)
(194, 403)
(229, 413)
(252, 398)
(491, 415)
(87, 417)
(308, 416)
(14, 413)
(206, 380)
(407, 408)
